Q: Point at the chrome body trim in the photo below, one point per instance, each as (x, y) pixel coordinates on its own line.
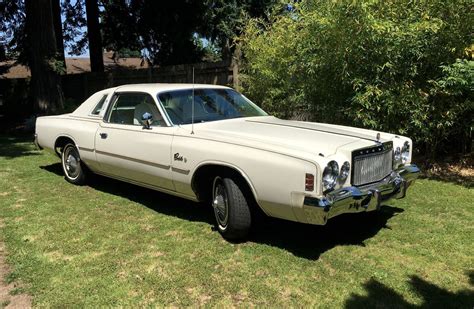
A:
(86, 149)
(362, 198)
(181, 171)
(167, 167)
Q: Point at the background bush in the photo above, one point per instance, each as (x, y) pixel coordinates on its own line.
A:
(399, 66)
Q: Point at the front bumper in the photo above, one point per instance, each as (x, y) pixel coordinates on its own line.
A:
(362, 198)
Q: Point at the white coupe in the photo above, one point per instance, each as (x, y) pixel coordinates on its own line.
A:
(210, 143)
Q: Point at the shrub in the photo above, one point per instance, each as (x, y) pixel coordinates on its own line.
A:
(384, 65)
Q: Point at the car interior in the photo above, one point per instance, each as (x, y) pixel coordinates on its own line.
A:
(130, 108)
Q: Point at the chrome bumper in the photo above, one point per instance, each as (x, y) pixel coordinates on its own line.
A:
(362, 198)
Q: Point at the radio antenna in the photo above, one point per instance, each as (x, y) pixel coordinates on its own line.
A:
(192, 108)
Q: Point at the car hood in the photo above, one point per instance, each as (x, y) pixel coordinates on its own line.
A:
(288, 136)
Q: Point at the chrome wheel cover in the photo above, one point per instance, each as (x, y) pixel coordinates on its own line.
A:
(220, 203)
(71, 162)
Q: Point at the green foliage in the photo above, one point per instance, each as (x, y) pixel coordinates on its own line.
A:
(128, 53)
(57, 65)
(387, 65)
(452, 105)
(224, 20)
(211, 52)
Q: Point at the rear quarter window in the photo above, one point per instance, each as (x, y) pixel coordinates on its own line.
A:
(99, 106)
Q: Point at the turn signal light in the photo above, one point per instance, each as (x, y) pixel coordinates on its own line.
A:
(309, 182)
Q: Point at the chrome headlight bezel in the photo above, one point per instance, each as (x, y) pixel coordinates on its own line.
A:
(405, 153)
(397, 157)
(330, 175)
(345, 171)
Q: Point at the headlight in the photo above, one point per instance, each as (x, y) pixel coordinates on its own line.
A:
(397, 157)
(345, 169)
(330, 174)
(405, 154)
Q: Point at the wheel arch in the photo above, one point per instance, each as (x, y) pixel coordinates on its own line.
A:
(204, 175)
(61, 141)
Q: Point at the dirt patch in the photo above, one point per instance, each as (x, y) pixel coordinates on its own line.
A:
(8, 300)
(459, 170)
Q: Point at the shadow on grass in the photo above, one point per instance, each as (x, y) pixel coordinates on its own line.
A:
(307, 241)
(157, 201)
(12, 147)
(381, 296)
(310, 241)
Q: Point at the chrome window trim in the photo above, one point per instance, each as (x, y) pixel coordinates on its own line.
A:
(114, 97)
(161, 106)
(104, 97)
(206, 88)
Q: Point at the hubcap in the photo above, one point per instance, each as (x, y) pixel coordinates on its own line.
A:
(220, 203)
(71, 162)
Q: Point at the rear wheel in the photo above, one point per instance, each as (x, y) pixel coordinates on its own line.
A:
(231, 208)
(74, 171)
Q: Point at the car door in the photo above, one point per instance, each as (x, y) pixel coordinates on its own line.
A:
(128, 150)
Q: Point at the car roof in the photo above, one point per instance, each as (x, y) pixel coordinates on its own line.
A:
(159, 87)
(152, 88)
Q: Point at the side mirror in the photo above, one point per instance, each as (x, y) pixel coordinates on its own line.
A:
(147, 119)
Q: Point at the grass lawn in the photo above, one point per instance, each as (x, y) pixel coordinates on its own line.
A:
(112, 243)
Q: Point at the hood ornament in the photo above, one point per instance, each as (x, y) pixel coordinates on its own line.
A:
(377, 138)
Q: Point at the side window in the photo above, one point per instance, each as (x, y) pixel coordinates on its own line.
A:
(98, 108)
(129, 108)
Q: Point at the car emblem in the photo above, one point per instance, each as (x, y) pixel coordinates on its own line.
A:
(178, 157)
(378, 137)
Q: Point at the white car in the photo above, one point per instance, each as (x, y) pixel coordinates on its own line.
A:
(210, 143)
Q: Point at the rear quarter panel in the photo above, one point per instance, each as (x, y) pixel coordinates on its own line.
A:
(81, 130)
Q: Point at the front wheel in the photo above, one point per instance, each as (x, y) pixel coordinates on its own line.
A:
(231, 208)
(72, 166)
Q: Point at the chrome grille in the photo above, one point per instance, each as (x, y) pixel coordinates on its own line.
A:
(371, 164)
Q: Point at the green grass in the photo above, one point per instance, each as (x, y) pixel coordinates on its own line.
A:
(112, 243)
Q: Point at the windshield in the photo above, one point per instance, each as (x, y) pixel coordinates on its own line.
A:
(209, 105)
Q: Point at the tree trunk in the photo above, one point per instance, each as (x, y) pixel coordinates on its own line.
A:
(58, 30)
(45, 85)
(95, 39)
(236, 62)
(226, 51)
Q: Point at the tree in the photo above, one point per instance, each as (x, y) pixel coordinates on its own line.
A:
(45, 86)
(95, 38)
(75, 38)
(223, 20)
(167, 30)
(119, 24)
(80, 14)
(164, 30)
(58, 30)
(12, 30)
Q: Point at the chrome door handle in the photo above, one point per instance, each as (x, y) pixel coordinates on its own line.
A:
(103, 135)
